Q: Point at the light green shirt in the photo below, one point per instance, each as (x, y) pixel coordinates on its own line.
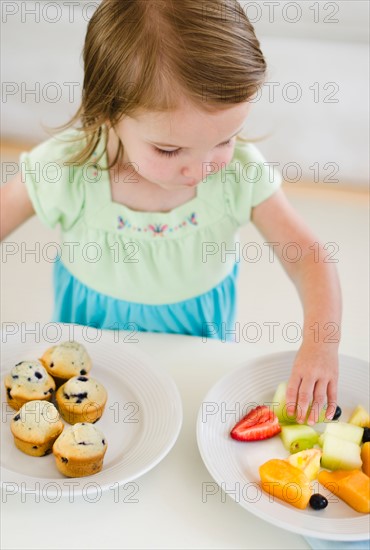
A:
(144, 257)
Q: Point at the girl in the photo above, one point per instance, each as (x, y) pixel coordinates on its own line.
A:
(156, 181)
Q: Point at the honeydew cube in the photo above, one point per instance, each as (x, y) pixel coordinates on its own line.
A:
(340, 454)
(320, 441)
(346, 431)
(298, 437)
(280, 407)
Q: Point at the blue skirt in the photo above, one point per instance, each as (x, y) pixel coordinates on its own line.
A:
(210, 315)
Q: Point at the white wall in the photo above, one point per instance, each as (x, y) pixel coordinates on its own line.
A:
(314, 105)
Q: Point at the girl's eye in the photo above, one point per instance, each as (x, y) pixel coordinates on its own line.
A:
(226, 143)
(177, 152)
(168, 153)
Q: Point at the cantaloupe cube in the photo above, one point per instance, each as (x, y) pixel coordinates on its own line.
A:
(352, 486)
(365, 455)
(286, 482)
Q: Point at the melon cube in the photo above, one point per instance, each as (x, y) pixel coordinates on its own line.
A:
(360, 417)
(280, 407)
(344, 430)
(298, 437)
(351, 486)
(339, 454)
(282, 480)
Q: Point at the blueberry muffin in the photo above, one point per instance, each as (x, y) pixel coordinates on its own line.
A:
(35, 427)
(81, 399)
(79, 451)
(28, 381)
(66, 360)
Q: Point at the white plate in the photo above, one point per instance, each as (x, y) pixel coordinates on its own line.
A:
(234, 465)
(141, 421)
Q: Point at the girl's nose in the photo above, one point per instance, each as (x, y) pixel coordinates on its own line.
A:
(195, 172)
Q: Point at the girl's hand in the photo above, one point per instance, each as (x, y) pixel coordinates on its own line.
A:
(314, 379)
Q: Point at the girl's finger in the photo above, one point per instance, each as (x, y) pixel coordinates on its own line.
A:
(332, 399)
(319, 399)
(304, 398)
(292, 394)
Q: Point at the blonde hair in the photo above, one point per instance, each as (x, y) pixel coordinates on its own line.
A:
(144, 55)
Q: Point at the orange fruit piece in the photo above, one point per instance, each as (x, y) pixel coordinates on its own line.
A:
(352, 486)
(284, 481)
(365, 457)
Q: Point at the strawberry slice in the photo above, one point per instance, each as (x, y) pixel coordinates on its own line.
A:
(260, 423)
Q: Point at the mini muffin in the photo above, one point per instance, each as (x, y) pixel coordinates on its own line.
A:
(81, 399)
(35, 427)
(28, 381)
(66, 360)
(79, 451)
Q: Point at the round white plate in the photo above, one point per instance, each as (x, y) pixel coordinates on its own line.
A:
(141, 421)
(234, 465)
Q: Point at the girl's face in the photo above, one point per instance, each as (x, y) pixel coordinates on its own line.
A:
(175, 150)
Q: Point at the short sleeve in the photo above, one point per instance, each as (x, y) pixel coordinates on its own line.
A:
(249, 180)
(56, 189)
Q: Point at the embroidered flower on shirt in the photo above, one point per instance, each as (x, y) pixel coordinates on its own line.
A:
(193, 219)
(121, 222)
(158, 230)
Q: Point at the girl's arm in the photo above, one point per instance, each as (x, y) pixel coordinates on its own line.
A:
(314, 375)
(15, 205)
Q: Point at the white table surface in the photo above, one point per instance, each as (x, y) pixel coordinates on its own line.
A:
(169, 512)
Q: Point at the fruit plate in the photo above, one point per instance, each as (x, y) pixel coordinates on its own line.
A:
(141, 421)
(234, 465)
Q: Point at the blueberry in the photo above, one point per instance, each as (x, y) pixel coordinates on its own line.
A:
(66, 396)
(51, 365)
(29, 379)
(15, 376)
(337, 414)
(103, 441)
(64, 459)
(83, 371)
(82, 378)
(8, 392)
(366, 435)
(38, 375)
(51, 390)
(34, 447)
(80, 396)
(318, 502)
(17, 417)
